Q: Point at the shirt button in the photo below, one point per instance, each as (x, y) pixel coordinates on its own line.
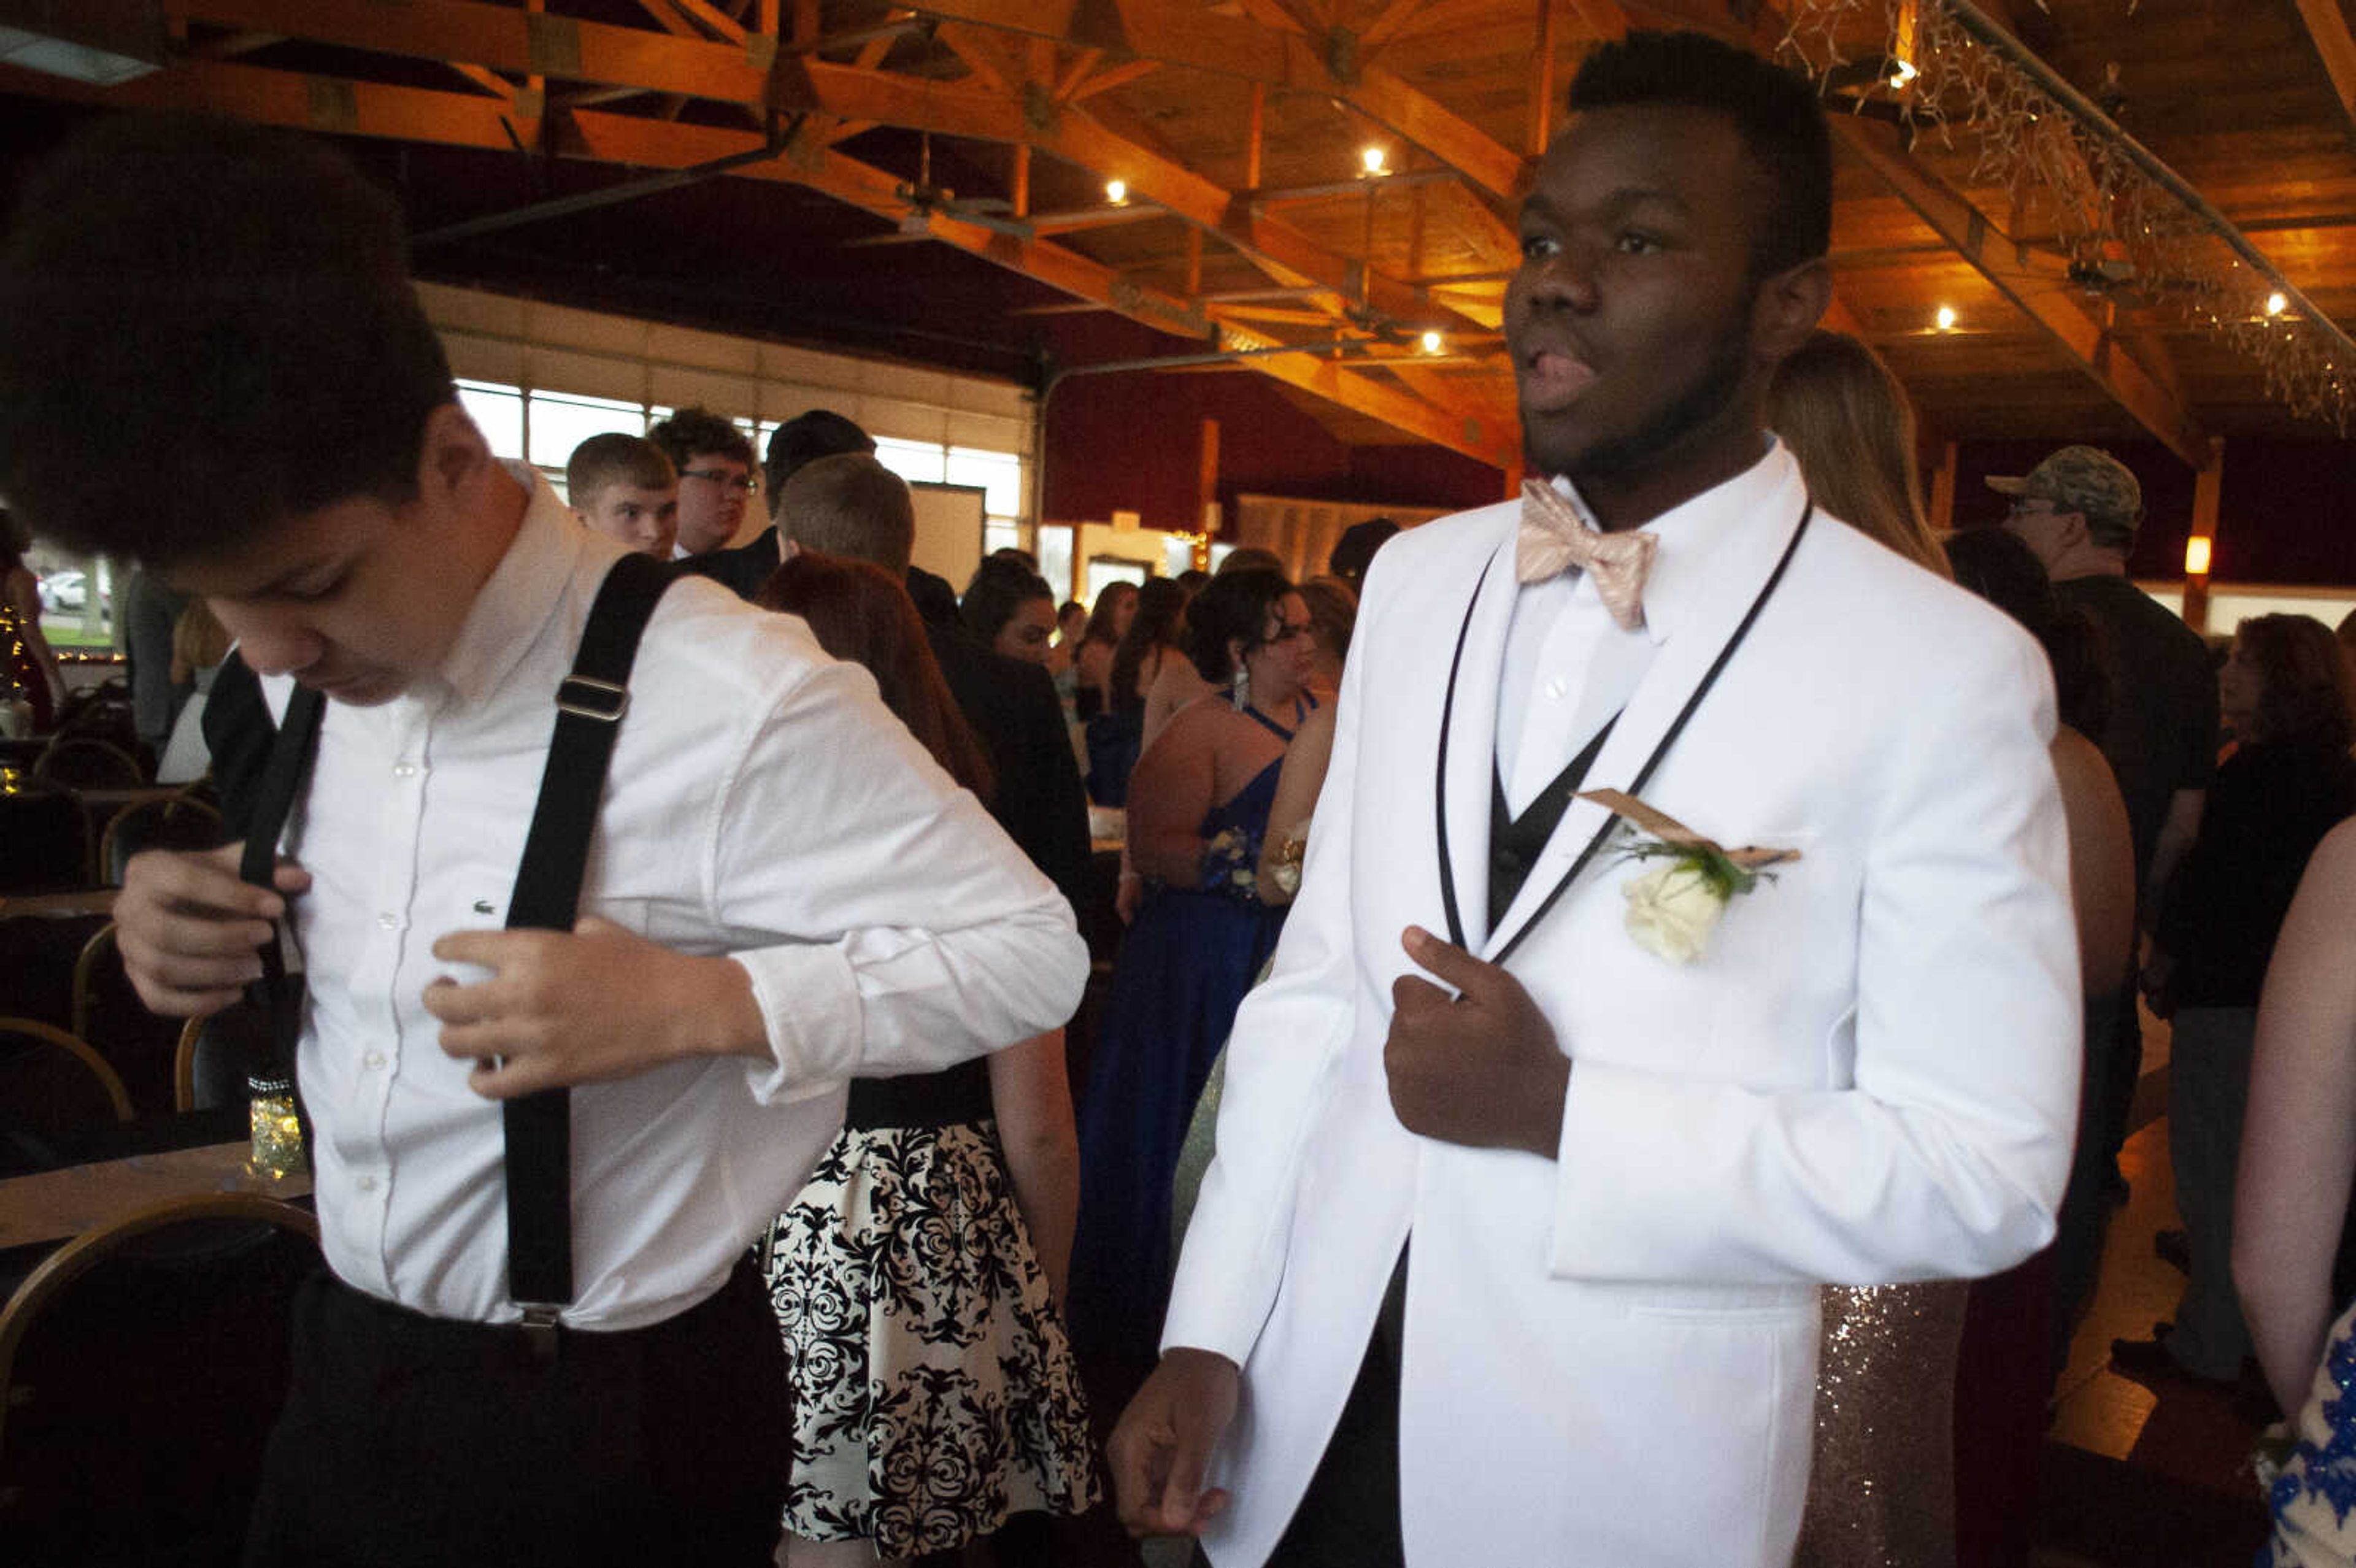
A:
(1558, 689)
(404, 770)
(373, 1058)
(388, 919)
(365, 1184)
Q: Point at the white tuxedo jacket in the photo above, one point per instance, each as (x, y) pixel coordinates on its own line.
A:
(1870, 1076)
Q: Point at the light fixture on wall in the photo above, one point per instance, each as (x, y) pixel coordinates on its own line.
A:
(2196, 556)
(1117, 192)
(2277, 302)
(1946, 318)
(1372, 163)
(1433, 342)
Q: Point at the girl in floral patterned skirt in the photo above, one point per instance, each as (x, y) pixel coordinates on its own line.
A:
(916, 1276)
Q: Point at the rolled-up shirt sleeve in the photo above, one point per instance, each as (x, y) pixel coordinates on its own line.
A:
(907, 933)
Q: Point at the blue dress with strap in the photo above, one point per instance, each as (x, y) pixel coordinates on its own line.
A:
(1184, 968)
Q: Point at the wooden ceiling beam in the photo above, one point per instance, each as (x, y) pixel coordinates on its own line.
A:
(503, 38)
(2326, 27)
(630, 139)
(1111, 77)
(697, 14)
(1077, 72)
(2091, 346)
(1094, 217)
(326, 104)
(490, 82)
(1390, 24)
(500, 38)
(979, 50)
(1326, 64)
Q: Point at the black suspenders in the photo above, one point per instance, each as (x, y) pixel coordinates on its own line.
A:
(590, 705)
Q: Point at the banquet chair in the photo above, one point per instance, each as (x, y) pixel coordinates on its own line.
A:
(216, 1056)
(142, 1364)
(174, 821)
(53, 1087)
(108, 1014)
(79, 762)
(44, 840)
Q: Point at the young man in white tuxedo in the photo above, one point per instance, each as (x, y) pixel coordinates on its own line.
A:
(1511, 1248)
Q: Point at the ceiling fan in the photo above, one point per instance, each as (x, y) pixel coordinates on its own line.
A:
(924, 198)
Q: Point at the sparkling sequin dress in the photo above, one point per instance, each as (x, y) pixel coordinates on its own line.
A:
(1883, 1492)
(2314, 1495)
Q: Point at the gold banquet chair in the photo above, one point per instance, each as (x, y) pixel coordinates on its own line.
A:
(142, 1364)
(52, 1086)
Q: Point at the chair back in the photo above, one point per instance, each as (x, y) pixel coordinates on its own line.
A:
(174, 821)
(44, 840)
(103, 712)
(108, 1013)
(143, 1365)
(80, 762)
(218, 1055)
(53, 1087)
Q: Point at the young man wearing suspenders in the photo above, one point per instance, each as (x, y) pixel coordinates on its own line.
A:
(541, 1151)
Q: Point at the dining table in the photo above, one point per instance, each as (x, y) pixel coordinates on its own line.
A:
(58, 906)
(182, 1155)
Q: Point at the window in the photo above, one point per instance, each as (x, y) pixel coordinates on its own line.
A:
(918, 461)
(498, 412)
(561, 422)
(1054, 554)
(544, 427)
(1106, 570)
(998, 473)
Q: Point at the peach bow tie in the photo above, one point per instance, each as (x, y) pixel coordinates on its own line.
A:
(1555, 537)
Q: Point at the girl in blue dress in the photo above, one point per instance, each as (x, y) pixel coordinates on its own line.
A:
(1198, 807)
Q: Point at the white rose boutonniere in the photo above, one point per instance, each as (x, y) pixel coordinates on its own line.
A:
(1672, 908)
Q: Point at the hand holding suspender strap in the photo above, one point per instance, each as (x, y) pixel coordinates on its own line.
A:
(279, 993)
(590, 704)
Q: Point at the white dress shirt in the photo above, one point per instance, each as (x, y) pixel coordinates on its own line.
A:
(1569, 666)
(762, 803)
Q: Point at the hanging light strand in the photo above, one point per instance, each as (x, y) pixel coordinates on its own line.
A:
(2125, 222)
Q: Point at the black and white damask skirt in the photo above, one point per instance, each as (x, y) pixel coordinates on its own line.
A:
(934, 1386)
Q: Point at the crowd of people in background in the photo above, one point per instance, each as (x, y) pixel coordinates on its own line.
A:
(973, 1282)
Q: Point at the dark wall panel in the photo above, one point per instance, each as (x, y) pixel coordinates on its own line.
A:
(2286, 514)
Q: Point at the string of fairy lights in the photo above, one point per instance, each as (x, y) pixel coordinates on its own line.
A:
(2120, 224)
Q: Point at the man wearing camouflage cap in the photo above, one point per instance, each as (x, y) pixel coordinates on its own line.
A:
(2078, 510)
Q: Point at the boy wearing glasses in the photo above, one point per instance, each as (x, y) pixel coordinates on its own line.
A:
(715, 477)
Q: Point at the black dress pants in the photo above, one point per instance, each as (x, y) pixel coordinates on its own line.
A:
(419, 1442)
(1349, 1518)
